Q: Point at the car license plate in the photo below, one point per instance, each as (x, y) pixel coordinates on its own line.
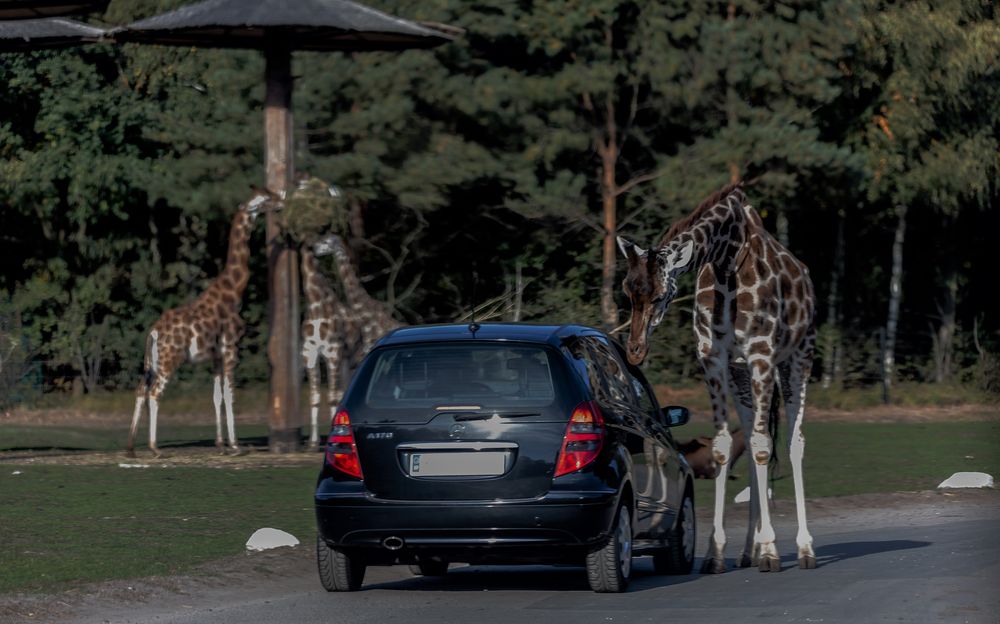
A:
(457, 464)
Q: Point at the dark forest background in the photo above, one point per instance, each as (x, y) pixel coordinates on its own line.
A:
(869, 130)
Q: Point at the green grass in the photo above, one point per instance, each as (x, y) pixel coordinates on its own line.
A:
(92, 438)
(860, 458)
(63, 525)
(180, 397)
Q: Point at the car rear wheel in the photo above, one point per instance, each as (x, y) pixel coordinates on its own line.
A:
(678, 556)
(610, 568)
(338, 571)
(431, 567)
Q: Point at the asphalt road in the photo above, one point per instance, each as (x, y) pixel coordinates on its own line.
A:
(933, 559)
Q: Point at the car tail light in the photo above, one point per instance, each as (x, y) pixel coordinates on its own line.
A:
(341, 451)
(583, 440)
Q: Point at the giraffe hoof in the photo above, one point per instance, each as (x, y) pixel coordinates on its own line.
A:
(807, 562)
(130, 453)
(236, 451)
(745, 561)
(713, 566)
(770, 563)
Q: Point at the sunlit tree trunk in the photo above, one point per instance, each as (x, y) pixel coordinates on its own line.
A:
(944, 337)
(832, 337)
(895, 295)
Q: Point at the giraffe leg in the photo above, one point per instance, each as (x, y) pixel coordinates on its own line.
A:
(334, 377)
(140, 399)
(312, 371)
(739, 387)
(794, 380)
(229, 368)
(154, 408)
(217, 400)
(722, 445)
(762, 386)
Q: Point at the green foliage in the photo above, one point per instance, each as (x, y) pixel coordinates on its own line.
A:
(313, 210)
(120, 167)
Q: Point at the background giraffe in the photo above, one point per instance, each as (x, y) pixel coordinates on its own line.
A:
(207, 328)
(754, 322)
(323, 333)
(367, 319)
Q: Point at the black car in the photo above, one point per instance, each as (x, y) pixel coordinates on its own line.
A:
(499, 444)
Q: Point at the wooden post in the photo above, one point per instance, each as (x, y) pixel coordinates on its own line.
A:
(282, 260)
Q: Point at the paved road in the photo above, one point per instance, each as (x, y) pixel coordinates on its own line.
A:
(936, 560)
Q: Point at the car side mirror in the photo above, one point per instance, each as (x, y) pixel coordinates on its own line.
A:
(676, 415)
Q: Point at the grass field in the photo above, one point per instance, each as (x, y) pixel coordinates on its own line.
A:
(63, 525)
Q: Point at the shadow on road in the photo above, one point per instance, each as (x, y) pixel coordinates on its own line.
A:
(526, 578)
(832, 553)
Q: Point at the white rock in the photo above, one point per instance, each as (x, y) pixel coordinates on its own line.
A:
(16, 472)
(968, 480)
(744, 496)
(266, 538)
(133, 465)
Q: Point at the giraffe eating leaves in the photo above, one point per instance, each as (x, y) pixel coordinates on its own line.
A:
(208, 328)
(338, 333)
(754, 323)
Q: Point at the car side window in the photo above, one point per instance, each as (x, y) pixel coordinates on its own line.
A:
(583, 351)
(619, 381)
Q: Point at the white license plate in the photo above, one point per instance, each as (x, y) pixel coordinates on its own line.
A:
(458, 464)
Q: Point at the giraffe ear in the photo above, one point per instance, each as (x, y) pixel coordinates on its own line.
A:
(630, 250)
(679, 258)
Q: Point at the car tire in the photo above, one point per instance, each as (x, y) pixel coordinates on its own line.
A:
(432, 567)
(338, 571)
(678, 556)
(610, 567)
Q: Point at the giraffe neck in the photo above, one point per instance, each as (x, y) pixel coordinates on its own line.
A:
(316, 287)
(354, 292)
(238, 256)
(719, 235)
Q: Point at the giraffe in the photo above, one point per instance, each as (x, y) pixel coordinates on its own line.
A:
(323, 332)
(754, 321)
(207, 328)
(367, 319)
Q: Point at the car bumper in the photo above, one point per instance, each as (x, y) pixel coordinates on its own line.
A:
(559, 526)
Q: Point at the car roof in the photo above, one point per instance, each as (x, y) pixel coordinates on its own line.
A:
(493, 332)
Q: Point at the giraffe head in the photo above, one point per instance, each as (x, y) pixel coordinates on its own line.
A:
(650, 285)
(324, 246)
(262, 200)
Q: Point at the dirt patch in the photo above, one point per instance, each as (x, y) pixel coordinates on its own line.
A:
(83, 418)
(176, 457)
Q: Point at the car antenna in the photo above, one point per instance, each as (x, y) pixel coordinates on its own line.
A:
(473, 325)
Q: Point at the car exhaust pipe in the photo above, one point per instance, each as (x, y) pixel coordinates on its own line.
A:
(393, 542)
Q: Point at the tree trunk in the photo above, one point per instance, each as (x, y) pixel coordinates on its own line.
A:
(283, 264)
(832, 338)
(781, 225)
(895, 295)
(518, 291)
(608, 149)
(944, 338)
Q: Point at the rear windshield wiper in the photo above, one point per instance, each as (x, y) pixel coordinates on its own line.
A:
(488, 415)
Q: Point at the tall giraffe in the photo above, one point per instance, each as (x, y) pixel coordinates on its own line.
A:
(323, 333)
(207, 328)
(367, 319)
(755, 325)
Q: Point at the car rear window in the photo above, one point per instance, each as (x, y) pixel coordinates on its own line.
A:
(430, 375)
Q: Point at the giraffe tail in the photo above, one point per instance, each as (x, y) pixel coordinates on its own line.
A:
(773, 416)
(150, 361)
